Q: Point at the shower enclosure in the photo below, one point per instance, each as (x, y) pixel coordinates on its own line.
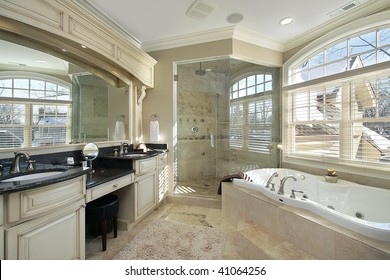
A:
(204, 151)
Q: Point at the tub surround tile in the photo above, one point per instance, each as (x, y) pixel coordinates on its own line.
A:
(348, 248)
(311, 237)
(287, 251)
(300, 231)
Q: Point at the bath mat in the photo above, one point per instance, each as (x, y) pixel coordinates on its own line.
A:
(165, 240)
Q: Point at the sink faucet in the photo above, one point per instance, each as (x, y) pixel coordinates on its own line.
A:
(283, 181)
(275, 174)
(123, 148)
(16, 164)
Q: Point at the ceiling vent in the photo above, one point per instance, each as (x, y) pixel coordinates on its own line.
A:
(201, 9)
(344, 8)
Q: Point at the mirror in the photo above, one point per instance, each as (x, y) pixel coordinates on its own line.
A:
(90, 152)
(92, 107)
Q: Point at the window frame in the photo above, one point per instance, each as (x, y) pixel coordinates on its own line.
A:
(28, 125)
(243, 143)
(376, 21)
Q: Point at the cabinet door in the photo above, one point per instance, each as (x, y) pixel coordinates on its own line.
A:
(145, 193)
(56, 236)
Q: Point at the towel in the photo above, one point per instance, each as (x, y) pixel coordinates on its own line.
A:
(154, 131)
(119, 130)
(229, 178)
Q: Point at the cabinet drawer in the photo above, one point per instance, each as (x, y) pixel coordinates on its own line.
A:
(143, 166)
(30, 203)
(109, 187)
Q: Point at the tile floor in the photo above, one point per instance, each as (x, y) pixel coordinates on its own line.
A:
(196, 215)
(206, 187)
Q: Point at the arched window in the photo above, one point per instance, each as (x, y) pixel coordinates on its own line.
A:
(251, 113)
(337, 97)
(35, 110)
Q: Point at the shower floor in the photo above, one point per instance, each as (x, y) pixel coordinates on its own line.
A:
(199, 187)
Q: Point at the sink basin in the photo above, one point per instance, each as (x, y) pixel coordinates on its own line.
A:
(41, 175)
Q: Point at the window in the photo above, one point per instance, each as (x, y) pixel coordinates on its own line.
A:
(356, 51)
(341, 117)
(251, 113)
(34, 111)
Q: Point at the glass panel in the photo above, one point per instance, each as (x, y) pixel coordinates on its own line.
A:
(251, 81)
(5, 92)
(7, 83)
(20, 93)
(251, 90)
(38, 85)
(362, 43)
(384, 54)
(384, 37)
(260, 78)
(336, 67)
(337, 51)
(22, 83)
(316, 73)
(317, 60)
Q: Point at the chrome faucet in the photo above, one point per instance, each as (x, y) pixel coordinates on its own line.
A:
(123, 148)
(16, 162)
(275, 174)
(283, 181)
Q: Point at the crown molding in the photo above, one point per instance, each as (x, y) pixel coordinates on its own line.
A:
(359, 12)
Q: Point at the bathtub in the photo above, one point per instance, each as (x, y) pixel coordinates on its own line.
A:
(363, 209)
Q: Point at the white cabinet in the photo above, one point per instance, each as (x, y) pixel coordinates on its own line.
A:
(46, 222)
(57, 236)
(145, 185)
(145, 194)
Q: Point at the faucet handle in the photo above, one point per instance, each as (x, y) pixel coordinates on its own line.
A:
(272, 189)
(293, 193)
(30, 165)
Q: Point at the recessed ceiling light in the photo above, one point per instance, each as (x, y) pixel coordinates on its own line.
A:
(234, 18)
(286, 21)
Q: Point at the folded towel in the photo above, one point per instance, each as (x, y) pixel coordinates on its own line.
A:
(229, 178)
(154, 131)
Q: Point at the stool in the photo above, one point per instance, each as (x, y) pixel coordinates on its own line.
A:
(99, 211)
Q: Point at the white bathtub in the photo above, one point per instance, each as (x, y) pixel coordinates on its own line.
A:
(360, 208)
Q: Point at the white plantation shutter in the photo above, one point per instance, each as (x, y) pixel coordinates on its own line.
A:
(259, 124)
(349, 120)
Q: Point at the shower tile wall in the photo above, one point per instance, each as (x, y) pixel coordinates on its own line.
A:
(201, 112)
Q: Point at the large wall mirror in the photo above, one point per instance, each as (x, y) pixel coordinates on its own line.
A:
(46, 100)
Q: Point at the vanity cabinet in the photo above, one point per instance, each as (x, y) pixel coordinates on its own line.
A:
(145, 186)
(1, 227)
(47, 222)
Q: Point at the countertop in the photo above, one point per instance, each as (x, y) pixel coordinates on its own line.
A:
(106, 168)
(68, 173)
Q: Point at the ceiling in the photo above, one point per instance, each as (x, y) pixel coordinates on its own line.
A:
(152, 22)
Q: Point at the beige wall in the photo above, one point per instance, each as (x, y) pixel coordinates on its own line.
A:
(160, 99)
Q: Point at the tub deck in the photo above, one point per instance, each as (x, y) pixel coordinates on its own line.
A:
(272, 230)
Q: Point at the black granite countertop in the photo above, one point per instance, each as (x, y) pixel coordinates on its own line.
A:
(102, 175)
(67, 173)
(106, 168)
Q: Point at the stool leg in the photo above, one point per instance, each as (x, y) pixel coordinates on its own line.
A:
(104, 234)
(115, 225)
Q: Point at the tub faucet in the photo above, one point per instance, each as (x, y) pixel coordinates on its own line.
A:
(283, 181)
(16, 162)
(275, 174)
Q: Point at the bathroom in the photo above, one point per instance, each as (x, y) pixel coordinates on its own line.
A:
(191, 97)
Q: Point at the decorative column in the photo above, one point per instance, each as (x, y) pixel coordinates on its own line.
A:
(141, 94)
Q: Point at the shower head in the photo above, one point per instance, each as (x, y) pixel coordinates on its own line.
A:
(200, 72)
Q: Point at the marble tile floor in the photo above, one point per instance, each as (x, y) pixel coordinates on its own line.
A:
(172, 212)
(246, 241)
(205, 187)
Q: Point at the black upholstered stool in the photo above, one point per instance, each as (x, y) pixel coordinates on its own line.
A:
(101, 210)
